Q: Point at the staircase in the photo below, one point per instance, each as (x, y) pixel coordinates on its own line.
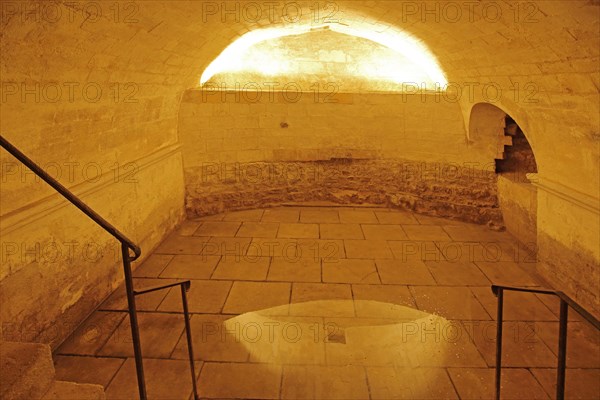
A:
(514, 153)
(503, 141)
(27, 373)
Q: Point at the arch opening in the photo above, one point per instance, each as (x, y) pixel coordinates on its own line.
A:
(518, 158)
(497, 134)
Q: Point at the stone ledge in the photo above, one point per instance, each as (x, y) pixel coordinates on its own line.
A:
(26, 370)
(61, 390)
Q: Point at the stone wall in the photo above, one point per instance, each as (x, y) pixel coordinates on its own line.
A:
(349, 149)
(73, 101)
(57, 265)
(434, 189)
(248, 126)
(518, 203)
(568, 237)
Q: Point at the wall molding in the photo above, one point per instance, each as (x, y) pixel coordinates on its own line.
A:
(38, 209)
(567, 193)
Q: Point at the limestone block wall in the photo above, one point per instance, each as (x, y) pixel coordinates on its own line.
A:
(518, 202)
(250, 149)
(568, 236)
(73, 100)
(57, 265)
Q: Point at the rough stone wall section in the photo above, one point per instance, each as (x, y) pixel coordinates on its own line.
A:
(435, 189)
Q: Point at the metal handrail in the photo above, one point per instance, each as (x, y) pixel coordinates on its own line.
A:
(565, 303)
(126, 245)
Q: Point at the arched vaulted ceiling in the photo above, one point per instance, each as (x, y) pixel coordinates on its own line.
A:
(542, 55)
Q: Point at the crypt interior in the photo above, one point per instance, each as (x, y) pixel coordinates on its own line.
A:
(300, 200)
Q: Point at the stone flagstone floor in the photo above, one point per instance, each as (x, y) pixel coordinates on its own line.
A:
(334, 303)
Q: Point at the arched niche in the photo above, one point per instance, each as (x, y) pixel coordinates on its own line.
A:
(498, 135)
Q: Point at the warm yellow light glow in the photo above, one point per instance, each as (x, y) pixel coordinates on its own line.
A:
(409, 60)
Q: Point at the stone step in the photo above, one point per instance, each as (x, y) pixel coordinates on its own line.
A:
(26, 370)
(61, 390)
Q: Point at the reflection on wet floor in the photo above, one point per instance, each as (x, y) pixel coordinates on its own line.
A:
(378, 304)
(406, 337)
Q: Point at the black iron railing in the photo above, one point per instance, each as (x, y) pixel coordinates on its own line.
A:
(565, 303)
(126, 246)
